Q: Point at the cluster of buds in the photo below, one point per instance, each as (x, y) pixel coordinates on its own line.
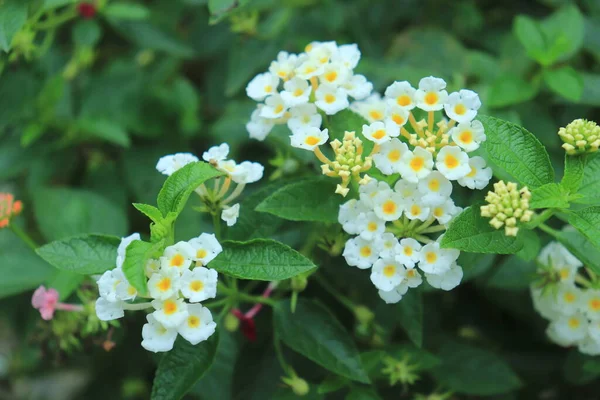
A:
(506, 206)
(8, 208)
(348, 164)
(580, 136)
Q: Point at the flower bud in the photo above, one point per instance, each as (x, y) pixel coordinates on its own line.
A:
(363, 315)
(299, 283)
(298, 385)
(580, 136)
(507, 206)
(231, 323)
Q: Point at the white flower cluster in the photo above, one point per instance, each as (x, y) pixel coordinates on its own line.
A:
(426, 148)
(296, 85)
(573, 310)
(241, 174)
(177, 282)
(391, 223)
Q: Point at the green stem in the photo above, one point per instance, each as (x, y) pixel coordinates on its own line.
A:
(54, 21)
(548, 230)
(216, 303)
(433, 229)
(23, 236)
(217, 225)
(284, 365)
(345, 301)
(136, 306)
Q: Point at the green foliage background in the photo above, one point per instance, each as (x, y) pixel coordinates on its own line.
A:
(87, 109)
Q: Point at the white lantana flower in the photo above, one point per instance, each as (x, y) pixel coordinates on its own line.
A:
(358, 87)
(335, 74)
(348, 55)
(370, 225)
(468, 135)
(230, 214)
(591, 304)
(304, 116)
(262, 86)
(164, 284)
(258, 127)
(206, 247)
(361, 253)
(388, 205)
(431, 95)
(462, 106)
(177, 257)
(395, 295)
(589, 346)
(570, 329)
(435, 260)
(157, 337)
(412, 277)
(415, 209)
(569, 299)
(216, 154)
(407, 252)
(295, 92)
(453, 163)
(284, 66)
(309, 138)
(170, 312)
(401, 94)
(387, 274)
(274, 107)
(309, 69)
(447, 280)
(348, 215)
(167, 165)
(444, 212)
(247, 172)
(406, 188)
(380, 132)
(388, 158)
(109, 310)
(435, 189)
(389, 245)
(198, 325)
(199, 284)
(331, 99)
(416, 164)
(479, 176)
(397, 115)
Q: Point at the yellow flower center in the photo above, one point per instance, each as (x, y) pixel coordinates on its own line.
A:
(177, 260)
(298, 92)
(434, 185)
(417, 164)
(403, 100)
(311, 140)
(331, 76)
(131, 290)
(411, 273)
(466, 137)
(438, 212)
(196, 286)
(282, 74)
(268, 89)
(451, 161)
(170, 307)
(564, 273)
(201, 253)
(389, 270)
(375, 114)
(164, 284)
(193, 321)
(389, 207)
(472, 173)
(408, 251)
(394, 155)
(569, 297)
(372, 227)
(595, 304)
(415, 209)
(329, 98)
(460, 109)
(397, 118)
(574, 323)
(378, 134)
(431, 257)
(365, 251)
(279, 108)
(431, 98)
(309, 69)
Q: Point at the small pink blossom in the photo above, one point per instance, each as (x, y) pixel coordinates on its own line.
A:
(45, 301)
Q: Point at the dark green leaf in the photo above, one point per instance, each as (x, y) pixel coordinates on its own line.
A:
(513, 274)
(582, 248)
(180, 368)
(550, 195)
(509, 89)
(316, 334)
(311, 199)
(13, 14)
(410, 316)
(574, 172)
(471, 232)
(126, 11)
(347, 121)
(260, 259)
(587, 221)
(105, 130)
(516, 151)
(87, 254)
(86, 33)
(590, 185)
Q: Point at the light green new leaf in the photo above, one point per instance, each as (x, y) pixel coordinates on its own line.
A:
(65, 212)
(471, 232)
(581, 248)
(87, 254)
(316, 334)
(565, 81)
(126, 11)
(149, 211)
(550, 195)
(410, 316)
(574, 172)
(311, 199)
(136, 256)
(180, 368)
(587, 221)
(530, 35)
(13, 14)
(260, 259)
(474, 371)
(178, 187)
(590, 184)
(518, 152)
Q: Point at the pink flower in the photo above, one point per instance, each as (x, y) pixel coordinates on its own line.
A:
(45, 301)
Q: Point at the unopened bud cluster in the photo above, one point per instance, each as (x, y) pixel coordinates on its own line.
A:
(348, 162)
(507, 205)
(580, 136)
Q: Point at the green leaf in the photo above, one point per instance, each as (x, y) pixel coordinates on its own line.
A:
(87, 33)
(217, 382)
(21, 269)
(471, 232)
(513, 274)
(65, 283)
(516, 151)
(126, 11)
(509, 89)
(587, 221)
(316, 334)
(564, 81)
(50, 4)
(332, 383)
(137, 254)
(87, 254)
(105, 130)
(410, 316)
(347, 120)
(62, 213)
(362, 393)
(149, 211)
(550, 195)
(180, 368)
(260, 259)
(13, 14)
(252, 224)
(581, 248)
(474, 371)
(530, 35)
(531, 245)
(590, 184)
(574, 172)
(311, 199)
(178, 187)
(580, 369)
(149, 36)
